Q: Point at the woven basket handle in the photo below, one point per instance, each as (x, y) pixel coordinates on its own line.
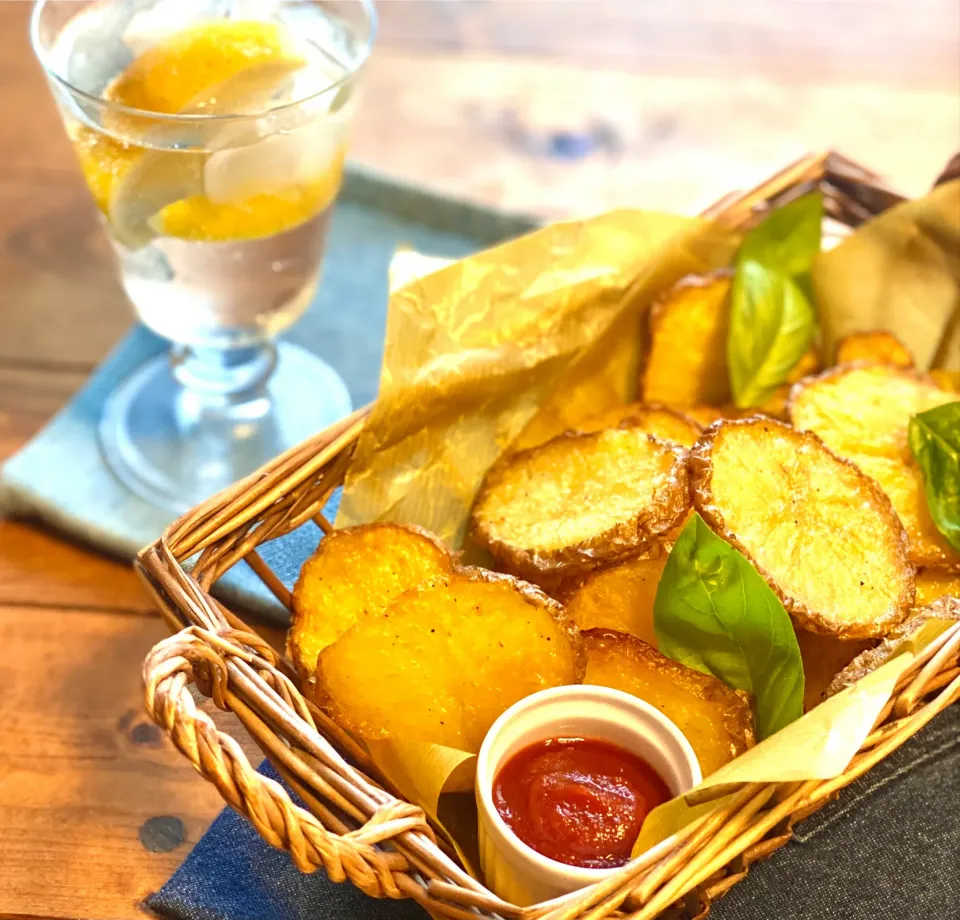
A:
(212, 662)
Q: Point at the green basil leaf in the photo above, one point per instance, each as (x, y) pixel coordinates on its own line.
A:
(935, 442)
(715, 613)
(772, 319)
(788, 239)
(772, 324)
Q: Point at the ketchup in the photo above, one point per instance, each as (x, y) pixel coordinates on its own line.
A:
(580, 801)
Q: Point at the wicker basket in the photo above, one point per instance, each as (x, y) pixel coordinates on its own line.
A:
(356, 828)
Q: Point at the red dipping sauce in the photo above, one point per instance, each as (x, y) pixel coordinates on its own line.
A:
(580, 801)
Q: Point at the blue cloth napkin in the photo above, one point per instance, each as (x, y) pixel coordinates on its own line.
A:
(888, 847)
(59, 477)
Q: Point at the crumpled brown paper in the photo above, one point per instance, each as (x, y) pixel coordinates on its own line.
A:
(474, 349)
(899, 272)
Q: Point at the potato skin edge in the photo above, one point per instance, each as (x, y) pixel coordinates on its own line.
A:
(943, 608)
(739, 727)
(839, 370)
(870, 334)
(571, 586)
(549, 567)
(701, 488)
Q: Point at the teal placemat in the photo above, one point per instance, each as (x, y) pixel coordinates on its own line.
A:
(59, 477)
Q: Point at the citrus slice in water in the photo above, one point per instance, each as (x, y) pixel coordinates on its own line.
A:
(161, 177)
(183, 71)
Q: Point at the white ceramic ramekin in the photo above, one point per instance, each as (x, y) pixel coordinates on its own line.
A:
(515, 871)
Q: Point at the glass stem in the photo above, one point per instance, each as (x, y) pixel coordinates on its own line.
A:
(225, 377)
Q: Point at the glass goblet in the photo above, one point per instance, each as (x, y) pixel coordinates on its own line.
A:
(212, 136)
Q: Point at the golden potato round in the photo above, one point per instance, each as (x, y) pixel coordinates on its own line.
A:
(715, 719)
(774, 406)
(878, 346)
(810, 362)
(620, 597)
(932, 584)
(944, 608)
(580, 501)
(862, 413)
(821, 533)
(823, 658)
(354, 573)
(440, 664)
(705, 416)
(686, 364)
(946, 380)
(664, 423)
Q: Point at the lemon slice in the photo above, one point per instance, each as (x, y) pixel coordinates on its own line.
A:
(156, 179)
(179, 70)
(161, 177)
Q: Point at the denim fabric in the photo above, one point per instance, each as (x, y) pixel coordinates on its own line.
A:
(232, 874)
(888, 848)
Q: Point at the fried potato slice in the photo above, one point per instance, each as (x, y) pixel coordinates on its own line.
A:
(441, 663)
(878, 347)
(355, 573)
(823, 658)
(715, 719)
(818, 530)
(775, 406)
(620, 597)
(810, 363)
(947, 380)
(944, 608)
(671, 536)
(686, 363)
(580, 501)
(664, 423)
(932, 584)
(861, 412)
(705, 416)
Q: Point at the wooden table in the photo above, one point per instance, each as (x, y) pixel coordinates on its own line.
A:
(471, 97)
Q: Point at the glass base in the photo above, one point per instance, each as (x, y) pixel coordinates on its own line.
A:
(176, 446)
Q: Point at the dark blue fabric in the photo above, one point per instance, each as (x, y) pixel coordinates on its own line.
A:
(232, 874)
(888, 848)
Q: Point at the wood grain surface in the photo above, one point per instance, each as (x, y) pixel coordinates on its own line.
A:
(800, 41)
(555, 107)
(82, 768)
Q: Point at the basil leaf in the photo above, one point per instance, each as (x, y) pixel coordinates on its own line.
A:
(772, 319)
(715, 613)
(788, 239)
(771, 326)
(935, 442)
